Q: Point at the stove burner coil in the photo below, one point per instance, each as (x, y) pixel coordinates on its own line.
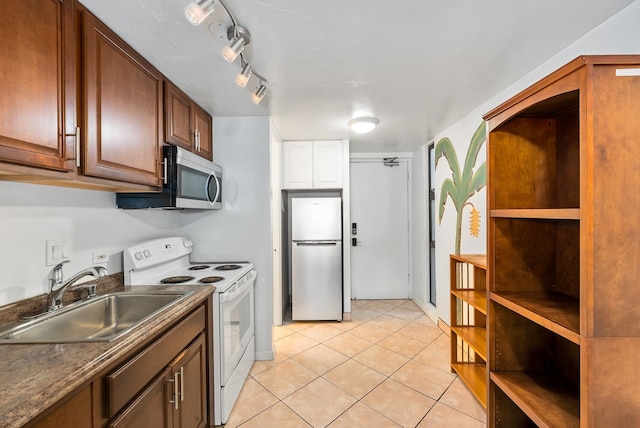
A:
(211, 279)
(228, 267)
(199, 267)
(177, 279)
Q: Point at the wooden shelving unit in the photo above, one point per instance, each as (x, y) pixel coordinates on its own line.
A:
(563, 243)
(468, 322)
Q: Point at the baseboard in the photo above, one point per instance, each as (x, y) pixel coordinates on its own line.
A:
(444, 327)
(429, 310)
(265, 355)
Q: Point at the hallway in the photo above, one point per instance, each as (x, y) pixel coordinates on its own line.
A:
(388, 367)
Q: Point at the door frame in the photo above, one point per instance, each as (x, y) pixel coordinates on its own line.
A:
(404, 157)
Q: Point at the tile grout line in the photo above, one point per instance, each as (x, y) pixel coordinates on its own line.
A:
(352, 358)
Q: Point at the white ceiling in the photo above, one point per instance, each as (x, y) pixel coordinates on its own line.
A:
(417, 65)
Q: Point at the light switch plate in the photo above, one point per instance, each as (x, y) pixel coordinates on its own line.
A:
(57, 251)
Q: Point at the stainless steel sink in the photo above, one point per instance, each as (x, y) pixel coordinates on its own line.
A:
(103, 318)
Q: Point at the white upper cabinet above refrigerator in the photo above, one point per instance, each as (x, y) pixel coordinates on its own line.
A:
(312, 164)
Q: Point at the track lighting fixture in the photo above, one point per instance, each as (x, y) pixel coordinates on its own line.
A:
(243, 77)
(258, 95)
(198, 10)
(239, 37)
(362, 125)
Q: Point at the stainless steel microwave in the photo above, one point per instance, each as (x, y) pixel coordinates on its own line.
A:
(190, 182)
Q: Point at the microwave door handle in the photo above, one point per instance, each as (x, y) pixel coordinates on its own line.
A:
(215, 198)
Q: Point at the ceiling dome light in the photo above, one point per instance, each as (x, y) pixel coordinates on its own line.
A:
(258, 95)
(362, 125)
(243, 77)
(198, 10)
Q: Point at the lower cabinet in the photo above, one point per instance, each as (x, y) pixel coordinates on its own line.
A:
(176, 398)
(74, 413)
(164, 385)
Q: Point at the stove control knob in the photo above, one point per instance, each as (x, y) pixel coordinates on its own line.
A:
(147, 253)
(188, 243)
(139, 255)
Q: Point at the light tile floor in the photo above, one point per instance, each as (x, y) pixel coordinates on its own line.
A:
(387, 367)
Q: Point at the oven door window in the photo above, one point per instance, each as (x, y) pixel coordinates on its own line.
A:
(237, 330)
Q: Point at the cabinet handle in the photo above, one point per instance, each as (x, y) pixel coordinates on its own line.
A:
(181, 383)
(78, 146)
(197, 140)
(175, 390)
(164, 175)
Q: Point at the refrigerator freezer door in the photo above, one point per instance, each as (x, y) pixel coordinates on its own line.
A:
(316, 280)
(316, 219)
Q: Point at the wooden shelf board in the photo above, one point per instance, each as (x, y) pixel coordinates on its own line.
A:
(475, 377)
(554, 311)
(479, 260)
(544, 214)
(548, 400)
(476, 337)
(474, 297)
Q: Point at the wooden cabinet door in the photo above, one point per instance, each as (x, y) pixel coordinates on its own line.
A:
(191, 364)
(327, 164)
(122, 109)
(298, 164)
(75, 412)
(152, 408)
(37, 84)
(204, 128)
(178, 114)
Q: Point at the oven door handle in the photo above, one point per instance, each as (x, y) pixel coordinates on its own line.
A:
(239, 287)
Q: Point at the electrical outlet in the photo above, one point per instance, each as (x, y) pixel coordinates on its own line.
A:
(100, 256)
(57, 251)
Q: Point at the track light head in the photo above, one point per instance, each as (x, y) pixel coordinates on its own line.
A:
(198, 10)
(239, 38)
(258, 95)
(233, 49)
(243, 77)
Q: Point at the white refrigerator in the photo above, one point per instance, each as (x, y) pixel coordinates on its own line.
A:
(316, 259)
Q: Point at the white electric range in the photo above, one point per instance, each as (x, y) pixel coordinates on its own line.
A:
(166, 261)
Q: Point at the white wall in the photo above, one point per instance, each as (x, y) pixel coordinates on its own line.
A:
(242, 229)
(420, 229)
(619, 35)
(32, 213)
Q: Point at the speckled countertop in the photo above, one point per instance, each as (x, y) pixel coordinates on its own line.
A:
(33, 377)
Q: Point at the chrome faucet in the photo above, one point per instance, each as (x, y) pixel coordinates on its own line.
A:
(54, 299)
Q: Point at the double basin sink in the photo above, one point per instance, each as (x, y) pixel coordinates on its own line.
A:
(100, 319)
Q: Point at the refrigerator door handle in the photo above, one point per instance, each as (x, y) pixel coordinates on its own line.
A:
(302, 243)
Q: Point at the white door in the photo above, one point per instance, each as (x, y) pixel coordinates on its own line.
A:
(380, 220)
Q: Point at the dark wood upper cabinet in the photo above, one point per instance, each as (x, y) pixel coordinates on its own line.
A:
(37, 83)
(122, 108)
(186, 124)
(204, 127)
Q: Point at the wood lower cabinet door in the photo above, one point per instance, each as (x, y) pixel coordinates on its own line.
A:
(152, 408)
(75, 412)
(191, 411)
(122, 109)
(37, 83)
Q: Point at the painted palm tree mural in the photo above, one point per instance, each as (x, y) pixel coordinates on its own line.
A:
(463, 184)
